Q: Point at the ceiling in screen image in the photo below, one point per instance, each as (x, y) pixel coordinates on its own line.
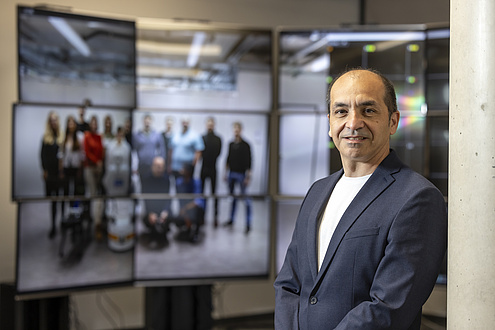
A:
(316, 51)
(76, 48)
(303, 52)
(198, 59)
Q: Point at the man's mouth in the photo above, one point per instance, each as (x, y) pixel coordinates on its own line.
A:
(355, 138)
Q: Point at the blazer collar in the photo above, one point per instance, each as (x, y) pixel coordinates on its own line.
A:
(314, 219)
(381, 178)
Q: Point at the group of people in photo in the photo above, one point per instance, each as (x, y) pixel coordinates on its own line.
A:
(166, 165)
(87, 166)
(84, 163)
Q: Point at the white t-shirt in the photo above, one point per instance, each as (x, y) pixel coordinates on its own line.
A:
(342, 195)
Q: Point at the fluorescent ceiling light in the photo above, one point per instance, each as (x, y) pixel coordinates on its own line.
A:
(319, 64)
(438, 34)
(70, 35)
(161, 72)
(196, 45)
(375, 36)
(176, 49)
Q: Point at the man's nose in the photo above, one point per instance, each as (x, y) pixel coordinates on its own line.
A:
(354, 120)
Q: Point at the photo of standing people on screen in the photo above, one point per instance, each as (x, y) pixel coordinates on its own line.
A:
(213, 147)
(51, 162)
(238, 173)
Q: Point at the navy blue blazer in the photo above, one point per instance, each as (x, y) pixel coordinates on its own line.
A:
(382, 261)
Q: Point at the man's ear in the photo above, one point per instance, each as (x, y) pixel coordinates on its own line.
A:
(330, 128)
(394, 122)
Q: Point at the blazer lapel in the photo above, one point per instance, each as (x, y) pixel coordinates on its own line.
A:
(314, 221)
(376, 184)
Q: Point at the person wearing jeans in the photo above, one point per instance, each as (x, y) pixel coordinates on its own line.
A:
(238, 172)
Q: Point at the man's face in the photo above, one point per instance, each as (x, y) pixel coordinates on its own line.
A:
(147, 123)
(359, 120)
(169, 124)
(210, 125)
(158, 167)
(237, 131)
(185, 124)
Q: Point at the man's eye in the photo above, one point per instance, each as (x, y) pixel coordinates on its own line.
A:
(369, 110)
(340, 111)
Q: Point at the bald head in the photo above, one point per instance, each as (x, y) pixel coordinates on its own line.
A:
(389, 96)
(158, 167)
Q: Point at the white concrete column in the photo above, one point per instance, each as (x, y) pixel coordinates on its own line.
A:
(471, 247)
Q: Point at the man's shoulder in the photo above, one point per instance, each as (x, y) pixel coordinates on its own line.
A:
(406, 181)
(408, 178)
(245, 143)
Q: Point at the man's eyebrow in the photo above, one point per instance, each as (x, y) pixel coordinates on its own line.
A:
(367, 103)
(362, 104)
(339, 104)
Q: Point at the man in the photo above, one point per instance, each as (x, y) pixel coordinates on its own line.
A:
(157, 210)
(148, 144)
(192, 210)
(186, 148)
(83, 125)
(238, 172)
(213, 146)
(167, 135)
(369, 240)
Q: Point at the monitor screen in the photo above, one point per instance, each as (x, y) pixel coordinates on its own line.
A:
(72, 258)
(186, 237)
(202, 68)
(43, 162)
(65, 58)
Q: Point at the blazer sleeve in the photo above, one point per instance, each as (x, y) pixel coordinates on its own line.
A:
(405, 276)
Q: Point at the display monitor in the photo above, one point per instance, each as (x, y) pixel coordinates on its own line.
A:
(72, 258)
(65, 58)
(183, 235)
(200, 66)
(45, 166)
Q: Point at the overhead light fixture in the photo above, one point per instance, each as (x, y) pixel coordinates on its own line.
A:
(438, 34)
(196, 45)
(319, 64)
(161, 72)
(375, 36)
(176, 49)
(70, 35)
